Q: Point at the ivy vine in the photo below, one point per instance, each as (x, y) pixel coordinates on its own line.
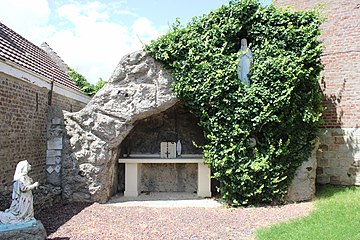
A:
(280, 111)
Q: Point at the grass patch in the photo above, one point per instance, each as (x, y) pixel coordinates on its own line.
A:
(336, 216)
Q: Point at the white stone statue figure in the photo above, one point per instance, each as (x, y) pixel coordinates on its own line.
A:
(21, 209)
(243, 67)
(178, 148)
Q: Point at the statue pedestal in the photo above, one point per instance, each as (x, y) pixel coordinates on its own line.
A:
(33, 229)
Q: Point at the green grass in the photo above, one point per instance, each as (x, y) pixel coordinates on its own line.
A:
(336, 217)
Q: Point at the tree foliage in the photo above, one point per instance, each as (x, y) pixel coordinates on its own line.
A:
(83, 84)
(281, 108)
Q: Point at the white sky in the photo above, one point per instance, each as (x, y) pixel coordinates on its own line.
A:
(92, 36)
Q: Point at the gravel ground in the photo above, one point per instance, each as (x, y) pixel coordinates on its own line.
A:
(160, 218)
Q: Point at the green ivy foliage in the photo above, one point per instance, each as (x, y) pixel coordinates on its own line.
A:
(280, 109)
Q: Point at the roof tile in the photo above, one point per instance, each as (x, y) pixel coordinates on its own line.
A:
(17, 49)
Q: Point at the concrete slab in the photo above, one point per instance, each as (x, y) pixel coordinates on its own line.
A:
(164, 200)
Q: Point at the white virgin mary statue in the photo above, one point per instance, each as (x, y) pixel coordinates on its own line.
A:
(21, 208)
(243, 67)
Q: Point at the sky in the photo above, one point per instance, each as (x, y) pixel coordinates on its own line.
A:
(92, 36)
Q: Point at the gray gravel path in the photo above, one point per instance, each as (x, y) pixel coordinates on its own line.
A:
(162, 219)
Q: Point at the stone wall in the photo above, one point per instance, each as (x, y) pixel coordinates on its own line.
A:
(339, 157)
(340, 34)
(303, 186)
(338, 154)
(24, 118)
(67, 104)
(23, 128)
(54, 145)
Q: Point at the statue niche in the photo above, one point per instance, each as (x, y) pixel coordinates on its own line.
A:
(245, 61)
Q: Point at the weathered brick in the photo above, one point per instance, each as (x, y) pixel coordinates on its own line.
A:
(319, 170)
(334, 163)
(323, 179)
(323, 162)
(354, 171)
(339, 140)
(340, 34)
(23, 127)
(323, 147)
(335, 180)
(346, 162)
(330, 155)
(339, 85)
(338, 132)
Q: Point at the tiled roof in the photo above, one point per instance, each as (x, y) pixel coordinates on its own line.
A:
(16, 49)
(53, 55)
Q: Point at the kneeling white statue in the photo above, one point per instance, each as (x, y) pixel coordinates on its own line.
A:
(21, 208)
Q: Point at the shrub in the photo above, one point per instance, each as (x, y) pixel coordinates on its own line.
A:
(280, 109)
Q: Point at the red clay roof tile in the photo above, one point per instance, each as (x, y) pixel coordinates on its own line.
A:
(17, 49)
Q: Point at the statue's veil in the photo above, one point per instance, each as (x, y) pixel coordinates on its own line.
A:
(21, 169)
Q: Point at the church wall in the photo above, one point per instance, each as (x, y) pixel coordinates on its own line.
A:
(338, 156)
(67, 104)
(24, 116)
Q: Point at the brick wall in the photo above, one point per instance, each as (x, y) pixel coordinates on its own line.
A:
(24, 114)
(66, 104)
(338, 156)
(23, 123)
(341, 57)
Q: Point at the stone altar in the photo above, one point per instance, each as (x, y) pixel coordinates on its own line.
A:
(133, 169)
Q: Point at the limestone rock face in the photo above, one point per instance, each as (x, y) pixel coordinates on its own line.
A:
(303, 187)
(138, 88)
